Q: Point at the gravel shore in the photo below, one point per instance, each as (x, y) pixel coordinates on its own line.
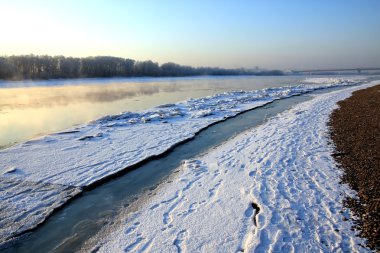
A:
(355, 131)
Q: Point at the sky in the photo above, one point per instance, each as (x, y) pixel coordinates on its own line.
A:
(272, 34)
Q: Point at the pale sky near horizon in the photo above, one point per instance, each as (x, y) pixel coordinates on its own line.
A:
(294, 34)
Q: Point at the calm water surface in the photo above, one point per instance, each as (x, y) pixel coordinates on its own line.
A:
(33, 108)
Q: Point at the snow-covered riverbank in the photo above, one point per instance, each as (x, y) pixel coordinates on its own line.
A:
(41, 175)
(273, 188)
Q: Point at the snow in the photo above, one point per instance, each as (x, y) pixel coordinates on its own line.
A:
(332, 80)
(273, 188)
(83, 155)
(25, 204)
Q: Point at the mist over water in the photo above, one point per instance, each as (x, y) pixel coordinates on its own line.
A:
(43, 107)
(35, 97)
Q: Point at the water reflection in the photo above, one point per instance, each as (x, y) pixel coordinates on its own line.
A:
(40, 108)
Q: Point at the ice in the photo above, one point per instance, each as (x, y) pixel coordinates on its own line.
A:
(25, 204)
(83, 155)
(332, 80)
(273, 188)
(11, 170)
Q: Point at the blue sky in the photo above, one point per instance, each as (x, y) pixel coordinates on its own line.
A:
(270, 34)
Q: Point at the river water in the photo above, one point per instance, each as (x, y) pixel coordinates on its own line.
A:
(30, 109)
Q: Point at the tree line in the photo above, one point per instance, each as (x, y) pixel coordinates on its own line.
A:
(53, 67)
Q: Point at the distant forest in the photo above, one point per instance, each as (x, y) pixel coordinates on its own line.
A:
(53, 67)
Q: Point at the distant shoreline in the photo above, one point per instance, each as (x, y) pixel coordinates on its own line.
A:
(45, 67)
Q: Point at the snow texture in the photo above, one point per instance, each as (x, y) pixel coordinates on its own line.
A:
(25, 204)
(329, 80)
(85, 154)
(274, 188)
